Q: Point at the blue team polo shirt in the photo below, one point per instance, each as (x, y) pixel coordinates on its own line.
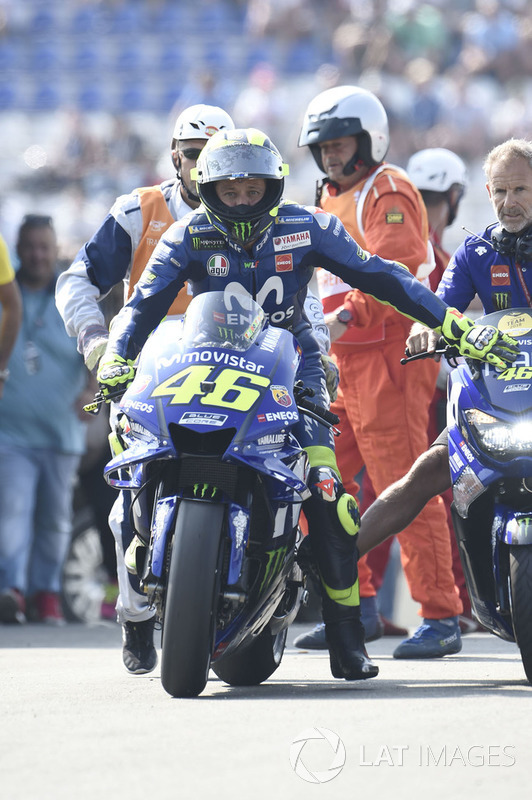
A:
(37, 406)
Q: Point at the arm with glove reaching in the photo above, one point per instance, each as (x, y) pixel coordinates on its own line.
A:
(483, 342)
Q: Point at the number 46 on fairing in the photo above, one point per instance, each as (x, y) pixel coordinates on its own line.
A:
(231, 388)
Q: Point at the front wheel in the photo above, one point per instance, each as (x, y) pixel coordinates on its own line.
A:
(255, 663)
(521, 594)
(191, 598)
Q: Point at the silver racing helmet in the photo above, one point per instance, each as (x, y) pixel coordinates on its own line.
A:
(232, 155)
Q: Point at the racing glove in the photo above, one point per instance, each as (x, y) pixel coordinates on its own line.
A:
(114, 374)
(483, 342)
(332, 376)
(92, 342)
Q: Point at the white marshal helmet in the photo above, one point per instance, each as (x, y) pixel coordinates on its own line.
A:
(436, 170)
(347, 111)
(201, 122)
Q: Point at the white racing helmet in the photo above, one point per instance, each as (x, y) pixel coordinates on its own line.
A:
(201, 122)
(436, 170)
(347, 111)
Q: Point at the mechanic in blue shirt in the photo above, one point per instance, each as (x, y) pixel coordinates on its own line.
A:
(244, 240)
(495, 264)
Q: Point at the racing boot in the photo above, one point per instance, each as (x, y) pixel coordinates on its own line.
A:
(138, 653)
(333, 520)
(347, 652)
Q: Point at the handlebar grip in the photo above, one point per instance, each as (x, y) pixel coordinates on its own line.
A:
(319, 411)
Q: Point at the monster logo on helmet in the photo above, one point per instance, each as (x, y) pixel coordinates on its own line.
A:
(232, 155)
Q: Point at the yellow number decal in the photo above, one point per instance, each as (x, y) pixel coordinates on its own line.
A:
(183, 386)
(232, 387)
(228, 393)
(516, 374)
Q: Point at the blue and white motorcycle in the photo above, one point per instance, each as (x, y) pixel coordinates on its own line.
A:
(217, 481)
(489, 416)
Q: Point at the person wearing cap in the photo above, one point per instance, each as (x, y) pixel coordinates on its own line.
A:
(383, 407)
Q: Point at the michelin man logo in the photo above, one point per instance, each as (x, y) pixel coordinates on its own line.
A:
(333, 741)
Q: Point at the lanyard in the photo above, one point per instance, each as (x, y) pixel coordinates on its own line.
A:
(29, 326)
(524, 287)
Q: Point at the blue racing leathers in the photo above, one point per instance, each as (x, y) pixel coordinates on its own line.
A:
(476, 268)
(276, 273)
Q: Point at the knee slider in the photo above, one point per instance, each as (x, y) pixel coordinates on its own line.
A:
(324, 484)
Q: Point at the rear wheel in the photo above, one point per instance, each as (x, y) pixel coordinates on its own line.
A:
(521, 592)
(255, 663)
(191, 598)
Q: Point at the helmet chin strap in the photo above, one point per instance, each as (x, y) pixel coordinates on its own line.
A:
(189, 193)
(353, 165)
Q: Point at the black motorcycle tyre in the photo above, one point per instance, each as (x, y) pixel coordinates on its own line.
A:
(255, 663)
(521, 596)
(191, 598)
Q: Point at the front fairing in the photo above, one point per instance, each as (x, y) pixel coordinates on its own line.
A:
(246, 390)
(506, 396)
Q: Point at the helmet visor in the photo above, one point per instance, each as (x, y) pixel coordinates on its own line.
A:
(235, 160)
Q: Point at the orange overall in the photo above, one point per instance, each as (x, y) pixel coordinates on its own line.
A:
(383, 406)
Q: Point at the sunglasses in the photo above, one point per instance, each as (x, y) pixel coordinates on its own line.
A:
(192, 153)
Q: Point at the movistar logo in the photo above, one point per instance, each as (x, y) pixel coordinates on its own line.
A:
(242, 230)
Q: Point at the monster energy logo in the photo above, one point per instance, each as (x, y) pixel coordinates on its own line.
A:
(242, 230)
(204, 491)
(274, 564)
(501, 300)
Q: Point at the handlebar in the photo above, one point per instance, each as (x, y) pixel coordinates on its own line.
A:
(320, 414)
(99, 400)
(448, 351)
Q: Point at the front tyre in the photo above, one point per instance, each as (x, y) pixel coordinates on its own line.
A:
(191, 598)
(521, 594)
(255, 663)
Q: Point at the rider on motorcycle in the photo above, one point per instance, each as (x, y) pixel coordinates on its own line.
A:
(245, 240)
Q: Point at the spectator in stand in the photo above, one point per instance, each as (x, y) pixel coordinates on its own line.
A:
(11, 312)
(41, 438)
